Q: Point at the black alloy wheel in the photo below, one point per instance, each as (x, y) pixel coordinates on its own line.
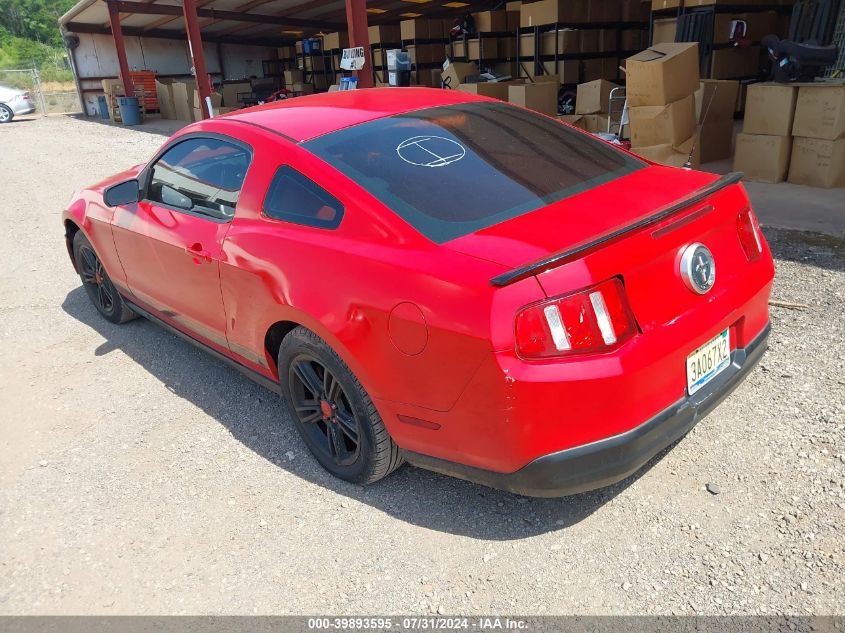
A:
(324, 410)
(97, 284)
(94, 277)
(332, 412)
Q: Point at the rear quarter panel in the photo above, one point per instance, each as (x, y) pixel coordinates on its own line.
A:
(344, 283)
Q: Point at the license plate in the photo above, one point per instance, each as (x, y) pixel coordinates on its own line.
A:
(708, 361)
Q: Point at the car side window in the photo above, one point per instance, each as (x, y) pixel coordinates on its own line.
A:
(200, 175)
(294, 198)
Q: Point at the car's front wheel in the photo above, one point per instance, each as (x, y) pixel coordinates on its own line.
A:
(332, 411)
(97, 284)
(6, 113)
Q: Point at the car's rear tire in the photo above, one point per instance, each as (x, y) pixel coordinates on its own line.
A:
(332, 411)
(97, 284)
(6, 113)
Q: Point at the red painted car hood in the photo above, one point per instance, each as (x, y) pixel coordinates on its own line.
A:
(130, 173)
(581, 218)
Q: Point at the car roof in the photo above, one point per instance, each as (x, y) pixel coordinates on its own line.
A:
(305, 118)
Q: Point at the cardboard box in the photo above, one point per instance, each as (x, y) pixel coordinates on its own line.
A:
(285, 52)
(662, 74)
(593, 96)
(335, 41)
(603, 10)
(216, 99)
(588, 41)
(384, 34)
(733, 63)
(231, 90)
(164, 91)
(607, 40)
(660, 5)
(664, 30)
(820, 112)
(552, 12)
(673, 155)
(568, 71)
(486, 48)
(302, 88)
(183, 100)
(818, 162)
(494, 89)
(454, 73)
(424, 53)
(770, 109)
(671, 124)
(491, 21)
(513, 20)
(759, 24)
(575, 120)
(716, 139)
(636, 10)
(716, 98)
(416, 29)
(762, 157)
(595, 122)
(592, 69)
(568, 41)
(292, 76)
(540, 96)
(506, 47)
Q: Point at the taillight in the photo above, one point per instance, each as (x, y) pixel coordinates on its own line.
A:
(592, 320)
(749, 234)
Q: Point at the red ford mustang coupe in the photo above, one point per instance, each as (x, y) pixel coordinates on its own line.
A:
(438, 278)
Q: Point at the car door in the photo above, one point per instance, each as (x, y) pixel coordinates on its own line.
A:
(170, 242)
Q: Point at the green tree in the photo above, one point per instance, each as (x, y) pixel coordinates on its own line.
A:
(35, 20)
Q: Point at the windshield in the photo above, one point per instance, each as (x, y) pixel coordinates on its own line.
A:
(453, 170)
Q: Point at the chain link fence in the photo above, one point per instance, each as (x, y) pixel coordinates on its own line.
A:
(51, 97)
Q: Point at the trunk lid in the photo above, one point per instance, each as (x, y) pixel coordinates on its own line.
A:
(646, 259)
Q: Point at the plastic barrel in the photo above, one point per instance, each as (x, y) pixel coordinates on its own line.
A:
(103, 105)
(130, 111)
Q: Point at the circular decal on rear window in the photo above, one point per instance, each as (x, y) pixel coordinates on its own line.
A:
(430, 151)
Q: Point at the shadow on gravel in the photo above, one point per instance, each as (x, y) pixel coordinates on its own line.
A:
(804, 247)
(152, 125)
(257, 418)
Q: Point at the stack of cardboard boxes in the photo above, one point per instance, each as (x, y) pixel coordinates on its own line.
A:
(661, 85)
(591, 106)
(818, 144)
(715, 102)
(180, 100)
(765, 144)
(540, 95)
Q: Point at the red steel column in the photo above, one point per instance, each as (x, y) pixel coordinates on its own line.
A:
(192, 26)
(120, 47)
(356, 20)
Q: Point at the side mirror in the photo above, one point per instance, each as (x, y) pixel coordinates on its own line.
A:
(173, 198)
(122, 193)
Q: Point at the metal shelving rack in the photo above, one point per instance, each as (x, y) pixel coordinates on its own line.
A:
(708, 15)
(381, 48)
(415, 66)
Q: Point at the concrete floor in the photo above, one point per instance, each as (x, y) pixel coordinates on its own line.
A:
(788, 206)
(782, 205)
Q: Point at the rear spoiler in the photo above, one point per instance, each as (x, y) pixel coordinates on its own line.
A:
(561, 258)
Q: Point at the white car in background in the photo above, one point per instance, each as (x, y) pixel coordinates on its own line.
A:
(14, 102)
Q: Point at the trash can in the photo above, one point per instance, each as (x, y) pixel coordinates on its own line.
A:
(130, 111)
(103, 105)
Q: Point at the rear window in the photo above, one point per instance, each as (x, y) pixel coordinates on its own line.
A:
(453, 170)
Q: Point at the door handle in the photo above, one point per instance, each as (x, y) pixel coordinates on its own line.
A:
(196, 251)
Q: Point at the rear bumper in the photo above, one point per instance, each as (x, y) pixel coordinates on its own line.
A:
(23, 109)
(612, 459)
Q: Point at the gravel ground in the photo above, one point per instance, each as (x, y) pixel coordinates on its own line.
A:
(138, 475)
